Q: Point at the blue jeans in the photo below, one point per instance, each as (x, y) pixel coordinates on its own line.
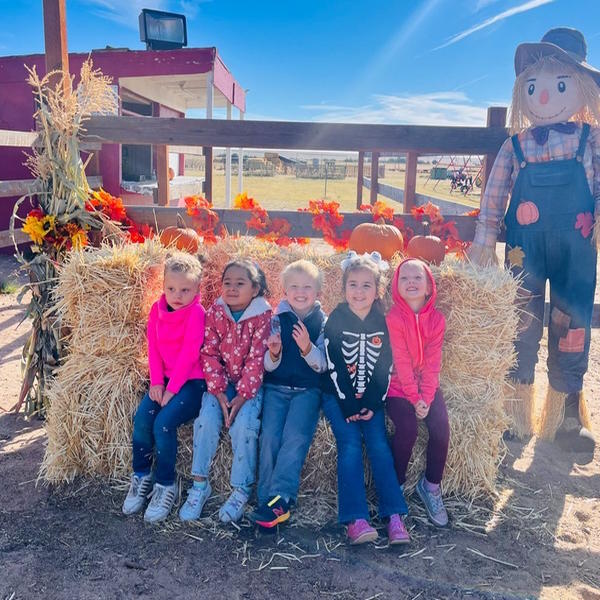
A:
(243, 433)
(352, 497)
(289, 420)
(156, 427)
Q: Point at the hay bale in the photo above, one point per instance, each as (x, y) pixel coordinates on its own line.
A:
(105, 295)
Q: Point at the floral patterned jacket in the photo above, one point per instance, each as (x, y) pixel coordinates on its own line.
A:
(234, 352)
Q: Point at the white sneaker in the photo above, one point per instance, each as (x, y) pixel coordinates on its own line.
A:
(196, 499)
(233, 509)
(163, 498)
(139, 488)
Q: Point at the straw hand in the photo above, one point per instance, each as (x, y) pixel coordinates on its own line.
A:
(156, 393)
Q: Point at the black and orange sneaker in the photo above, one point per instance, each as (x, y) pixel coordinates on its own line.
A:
(274, 512)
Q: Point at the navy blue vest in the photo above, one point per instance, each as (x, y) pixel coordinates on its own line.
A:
(293, 370)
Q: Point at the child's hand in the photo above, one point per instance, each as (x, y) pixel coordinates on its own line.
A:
(156, 393)
(274, 345)
(166, 397)
(301, 337)
(234, 408)
(353, 418)
(366, 414)
(224, 404)
(421, 409)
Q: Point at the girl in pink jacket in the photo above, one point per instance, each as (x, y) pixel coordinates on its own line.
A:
(417, 331)
(175, 334)
(237, 326)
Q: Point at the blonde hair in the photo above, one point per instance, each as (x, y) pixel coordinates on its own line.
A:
(590, 93)
(181, 262)
(302, 266)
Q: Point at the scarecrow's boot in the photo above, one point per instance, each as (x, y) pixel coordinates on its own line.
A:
(553, 414)
(575, 432)
(518, 405)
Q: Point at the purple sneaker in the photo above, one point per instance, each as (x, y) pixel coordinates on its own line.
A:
(434, 505)
(397, 533)
(360, 531)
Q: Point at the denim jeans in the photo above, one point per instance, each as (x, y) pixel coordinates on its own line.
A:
(243, 433)
(352, 497)
(289, 420)
(155, 426)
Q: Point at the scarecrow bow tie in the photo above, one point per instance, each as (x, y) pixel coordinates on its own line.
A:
(540, 134)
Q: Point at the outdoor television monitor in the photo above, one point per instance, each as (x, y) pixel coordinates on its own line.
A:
(162, 30)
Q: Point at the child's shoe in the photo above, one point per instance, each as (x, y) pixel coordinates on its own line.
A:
(163, 498)
(434, 505)
(139, 488)
(196, 499)
(274, 512)
(360, 531)
(397, 532)
(233, 509)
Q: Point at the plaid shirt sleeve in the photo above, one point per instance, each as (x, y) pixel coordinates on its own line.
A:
(495, 198)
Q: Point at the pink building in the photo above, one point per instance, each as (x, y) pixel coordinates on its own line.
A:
(149, 83)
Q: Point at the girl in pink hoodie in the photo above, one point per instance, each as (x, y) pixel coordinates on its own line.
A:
(175, 334)
(237, 327)
(417, 331)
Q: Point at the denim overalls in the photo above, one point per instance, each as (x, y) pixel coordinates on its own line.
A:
(549, 226)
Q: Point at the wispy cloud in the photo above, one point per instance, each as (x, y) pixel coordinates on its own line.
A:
(495, 19)
(438, 108)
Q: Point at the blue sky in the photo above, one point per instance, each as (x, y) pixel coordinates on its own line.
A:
(398, 61)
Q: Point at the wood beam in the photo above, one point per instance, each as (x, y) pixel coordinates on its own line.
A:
(55, 39)
(374, 177)
(360, 175)
(410, 181)
(162, 174)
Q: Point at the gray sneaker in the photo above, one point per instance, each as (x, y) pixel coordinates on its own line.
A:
(233, 509)
(139, 488)
(434, 505)
(196, 499)
(163, 498)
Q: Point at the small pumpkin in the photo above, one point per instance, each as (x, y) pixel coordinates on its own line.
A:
(527, 213)
(182, 237)
(426, 247)
(381, 237)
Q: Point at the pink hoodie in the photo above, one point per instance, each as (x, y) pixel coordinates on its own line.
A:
(416, 340)
(174, 341)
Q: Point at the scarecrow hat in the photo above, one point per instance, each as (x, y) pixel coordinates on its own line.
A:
(563, 42)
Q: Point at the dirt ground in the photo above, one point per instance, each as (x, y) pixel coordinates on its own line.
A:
(541, 539)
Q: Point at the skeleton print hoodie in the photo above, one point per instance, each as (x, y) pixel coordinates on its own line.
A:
(359, 358)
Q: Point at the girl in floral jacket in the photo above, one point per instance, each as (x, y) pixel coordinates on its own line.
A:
(237, 326)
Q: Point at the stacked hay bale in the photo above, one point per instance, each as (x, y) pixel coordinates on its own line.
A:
(104, 297)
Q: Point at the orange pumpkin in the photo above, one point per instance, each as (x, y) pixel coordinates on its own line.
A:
(527, 213)
(427, 247)
(182, 237)
(380, 237)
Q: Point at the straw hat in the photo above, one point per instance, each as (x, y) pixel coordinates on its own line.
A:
(563, 42)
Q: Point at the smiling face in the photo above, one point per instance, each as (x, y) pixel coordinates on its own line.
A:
(237, 289)
(551, 94)
(360, 291)
(413, 284)
(301, 292)
(180, 289)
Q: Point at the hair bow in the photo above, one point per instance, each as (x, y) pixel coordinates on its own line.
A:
(381, 264)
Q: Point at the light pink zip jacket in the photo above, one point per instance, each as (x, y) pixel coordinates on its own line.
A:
(174, 341)
(416, 340)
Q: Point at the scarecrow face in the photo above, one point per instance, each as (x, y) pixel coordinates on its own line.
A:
(551, 95)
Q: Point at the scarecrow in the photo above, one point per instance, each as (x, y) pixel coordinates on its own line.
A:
(550, 169)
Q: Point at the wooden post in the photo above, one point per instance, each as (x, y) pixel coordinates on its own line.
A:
(208, 165)
(496, 117)
(410, 181)
(55, 38)
(360, 178)
(162, 174)
(374, 177)
(228, 165)
(241, 163)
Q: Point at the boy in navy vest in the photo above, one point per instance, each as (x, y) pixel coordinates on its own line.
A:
(294, 362)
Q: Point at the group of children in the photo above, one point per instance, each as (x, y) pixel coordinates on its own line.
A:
(265, 377)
